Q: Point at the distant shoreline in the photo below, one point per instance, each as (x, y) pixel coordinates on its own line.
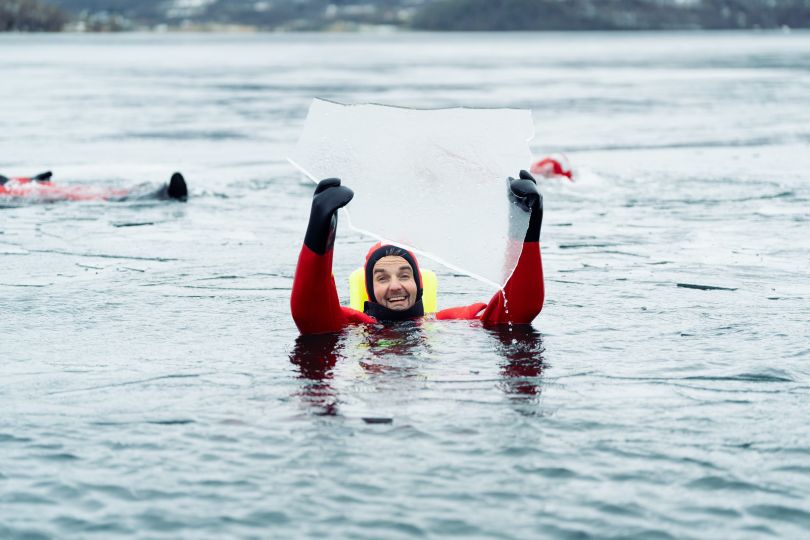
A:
(400, 31)
(392, 16)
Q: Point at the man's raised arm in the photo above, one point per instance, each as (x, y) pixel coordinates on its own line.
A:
(314, 302)
(524, 292)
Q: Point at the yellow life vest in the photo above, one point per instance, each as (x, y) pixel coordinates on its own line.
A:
(358, 294)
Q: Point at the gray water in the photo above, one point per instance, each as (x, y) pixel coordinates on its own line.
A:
(152, 384)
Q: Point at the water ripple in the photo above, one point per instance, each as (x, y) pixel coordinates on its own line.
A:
(153, 383)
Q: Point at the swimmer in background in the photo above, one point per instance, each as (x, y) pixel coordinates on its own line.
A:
(41, 188)
(392, 278)
(555, 165)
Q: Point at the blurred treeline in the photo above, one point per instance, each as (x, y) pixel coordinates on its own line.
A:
(31, 16)
(612, 14)
(341, 15)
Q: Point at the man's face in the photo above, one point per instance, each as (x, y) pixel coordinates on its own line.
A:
(394, 283)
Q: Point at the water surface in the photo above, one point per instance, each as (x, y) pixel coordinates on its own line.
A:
(153, 384)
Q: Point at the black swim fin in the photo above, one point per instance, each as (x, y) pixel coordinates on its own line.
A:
(177, 188)
(41, 177)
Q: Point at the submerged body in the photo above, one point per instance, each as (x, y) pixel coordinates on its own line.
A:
(41, 188)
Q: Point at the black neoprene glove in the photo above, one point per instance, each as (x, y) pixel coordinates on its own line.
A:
(329, 196)
(524, 194)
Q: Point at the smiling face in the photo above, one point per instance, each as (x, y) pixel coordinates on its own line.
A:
(394, 283)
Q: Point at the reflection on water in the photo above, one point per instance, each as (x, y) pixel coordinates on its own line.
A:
(521, 347)
(399, 351)
(393, 347)
(316, 357)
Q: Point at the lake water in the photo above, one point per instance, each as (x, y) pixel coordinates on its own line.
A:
(152, 384)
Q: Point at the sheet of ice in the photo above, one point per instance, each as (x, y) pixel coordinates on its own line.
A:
(433, 181)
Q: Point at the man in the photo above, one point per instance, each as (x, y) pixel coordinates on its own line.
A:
(392, 274)
(40, 188)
